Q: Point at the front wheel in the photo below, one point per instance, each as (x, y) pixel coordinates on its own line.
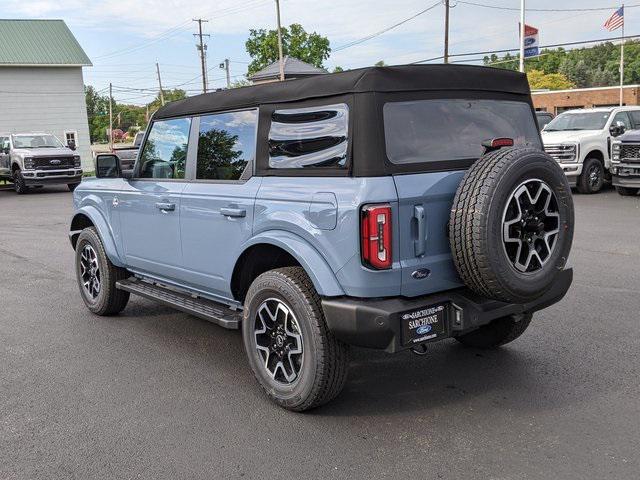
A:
(97, 276)
(627, 191)
(499, 332)
(19, 184)
(296, 359)
(592, 178)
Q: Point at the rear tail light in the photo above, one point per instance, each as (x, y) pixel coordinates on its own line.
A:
(375, 231)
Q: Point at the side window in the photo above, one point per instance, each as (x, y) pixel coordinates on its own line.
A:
(4, 143)
(624, 118)
(226, 145)
(164, 154)
(312, 137)
(635, 118)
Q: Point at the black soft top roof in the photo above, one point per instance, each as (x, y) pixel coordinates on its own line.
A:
(404, 78)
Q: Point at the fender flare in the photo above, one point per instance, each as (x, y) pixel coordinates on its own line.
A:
(104, 231)
(321, 275)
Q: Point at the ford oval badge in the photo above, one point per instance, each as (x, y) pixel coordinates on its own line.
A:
(421, 273)
(423, 330)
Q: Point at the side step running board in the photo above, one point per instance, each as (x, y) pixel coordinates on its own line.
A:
(200, 307)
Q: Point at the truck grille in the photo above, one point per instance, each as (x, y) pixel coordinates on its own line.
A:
(52, 163)
(630, 153)
(561, 153)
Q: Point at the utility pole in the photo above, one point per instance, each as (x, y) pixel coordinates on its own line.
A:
(446, 31)
(281, 59)
(522, 35)
(110, 118)
(225, 66)
(160, 84)
(202, 47)
(622, 61)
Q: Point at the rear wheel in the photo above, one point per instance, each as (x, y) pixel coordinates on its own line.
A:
(592, 178)
(296, 359)
(627, 191)
(18, 182)
(97, 276)
(499, 332)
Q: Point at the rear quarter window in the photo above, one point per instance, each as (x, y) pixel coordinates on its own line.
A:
(422, 131)
(310, 137)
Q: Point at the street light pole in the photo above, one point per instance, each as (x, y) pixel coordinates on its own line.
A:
(522, 35)
(160, 84)
(202, 48)
(280, 57)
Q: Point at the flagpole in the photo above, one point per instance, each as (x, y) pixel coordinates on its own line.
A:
(622, 61)
(522, 26)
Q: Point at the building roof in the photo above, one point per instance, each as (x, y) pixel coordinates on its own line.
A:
(39, 42)
(292, 68)
(404, 78)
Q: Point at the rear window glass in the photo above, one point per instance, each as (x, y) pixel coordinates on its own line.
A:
(421, 131)
(311, 137)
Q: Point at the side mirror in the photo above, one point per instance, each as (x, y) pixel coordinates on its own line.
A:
(616, 130)
(71, 144)
(108, 166)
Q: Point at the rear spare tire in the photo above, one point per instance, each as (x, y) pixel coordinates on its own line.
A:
(511, 224)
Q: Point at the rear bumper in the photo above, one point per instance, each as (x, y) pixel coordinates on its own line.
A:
(51, 177)
(376, 323)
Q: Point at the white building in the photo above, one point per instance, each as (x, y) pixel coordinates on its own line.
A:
(41, 85)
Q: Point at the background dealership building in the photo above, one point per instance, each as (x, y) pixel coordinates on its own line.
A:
(558, 101)
(41, 84)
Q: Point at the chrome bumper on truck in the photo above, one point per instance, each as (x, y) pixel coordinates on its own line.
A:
(49, 177)
(626, 175)
(384, 323)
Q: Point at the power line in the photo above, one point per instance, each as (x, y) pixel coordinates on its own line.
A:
(515, 9)
(385, 30)
(507, 50)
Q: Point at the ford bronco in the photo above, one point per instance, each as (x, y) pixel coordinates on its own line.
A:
(383, 207)
(37, 159)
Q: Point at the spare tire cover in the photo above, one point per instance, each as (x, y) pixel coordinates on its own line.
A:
(511, 224)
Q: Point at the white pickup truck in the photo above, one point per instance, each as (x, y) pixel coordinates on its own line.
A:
(580, 140)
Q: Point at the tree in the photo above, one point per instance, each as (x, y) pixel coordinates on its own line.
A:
(338, 69)
(380, 64)
(169, 96)
(97, 113)
(262, 46)
(538, 80)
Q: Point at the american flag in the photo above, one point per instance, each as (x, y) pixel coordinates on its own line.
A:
(616, 20)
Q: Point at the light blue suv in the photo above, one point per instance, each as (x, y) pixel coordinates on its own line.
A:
(383, 207)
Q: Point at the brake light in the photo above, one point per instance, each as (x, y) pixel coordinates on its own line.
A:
(498, 143)
(375, 231)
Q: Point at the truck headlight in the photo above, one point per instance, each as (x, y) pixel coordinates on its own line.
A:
(615, 152)
(28, 163)
(76, 161)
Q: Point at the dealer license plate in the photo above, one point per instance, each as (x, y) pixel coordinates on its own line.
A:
(424, 324)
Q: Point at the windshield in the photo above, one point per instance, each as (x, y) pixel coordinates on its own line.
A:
(421, 131)
(578, 121)
(36, 141)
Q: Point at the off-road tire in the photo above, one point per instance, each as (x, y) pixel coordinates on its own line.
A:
(627, 191)
(476, 224)
(497, 333)
(585, 185)
(110, 300)
(325, 359)
(18, 183)
(72, 186)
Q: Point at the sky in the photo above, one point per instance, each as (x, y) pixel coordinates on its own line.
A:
(124, 40)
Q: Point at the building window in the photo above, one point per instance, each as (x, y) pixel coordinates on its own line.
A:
(71, 136)
(559, 110)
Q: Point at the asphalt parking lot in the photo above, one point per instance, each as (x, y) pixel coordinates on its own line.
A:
(155, 393)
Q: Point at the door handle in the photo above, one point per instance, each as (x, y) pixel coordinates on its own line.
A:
(233, 212)
(419, 243)
(166, 206)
